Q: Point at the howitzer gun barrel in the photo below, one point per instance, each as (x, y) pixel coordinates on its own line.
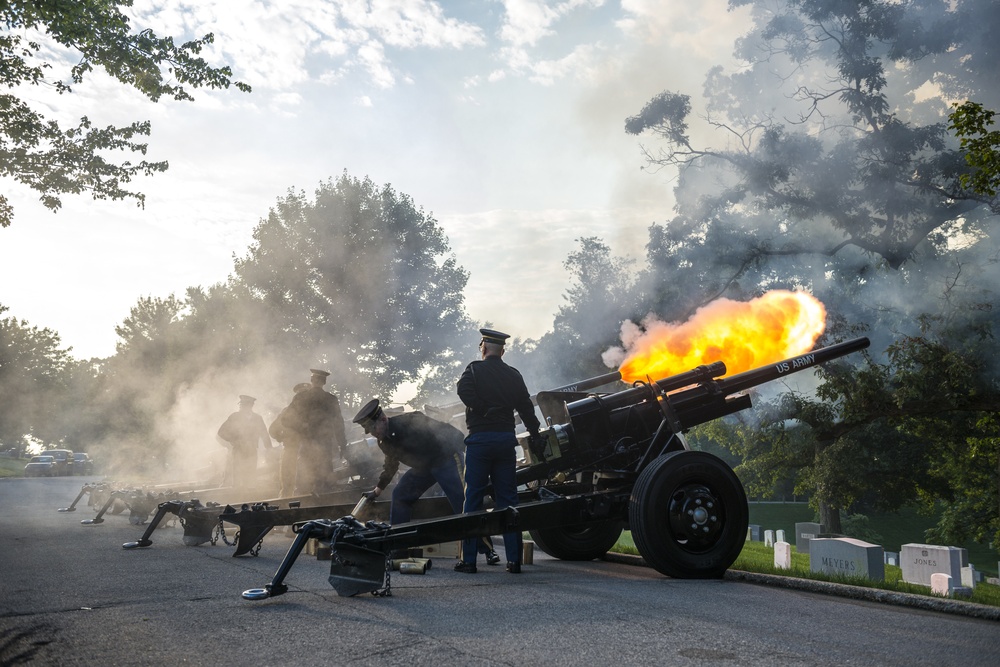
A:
(638, 394)
(756, 376)
(701, 404)
(590, 383)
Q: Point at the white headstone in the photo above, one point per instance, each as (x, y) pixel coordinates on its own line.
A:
(941, 584)
(749, 535)
(768, 538)
(846, 556)
(920, 561)
(892, 558)
(969, 577)
(783, 555)
(779, 536)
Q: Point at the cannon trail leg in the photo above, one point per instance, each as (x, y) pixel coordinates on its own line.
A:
(115, 495)
(688, 514)
(72, 508)
(309, 530)
(172, 506)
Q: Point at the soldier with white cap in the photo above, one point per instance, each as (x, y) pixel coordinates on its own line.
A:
(492, 391)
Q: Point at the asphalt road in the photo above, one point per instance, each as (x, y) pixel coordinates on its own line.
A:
(72, 596)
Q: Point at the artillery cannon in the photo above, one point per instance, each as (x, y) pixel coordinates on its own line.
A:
(610, 462)
(202, 514)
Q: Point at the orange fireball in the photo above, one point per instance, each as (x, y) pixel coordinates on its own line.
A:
(778, 325)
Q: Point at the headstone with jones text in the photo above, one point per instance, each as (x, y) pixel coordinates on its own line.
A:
(920, 561)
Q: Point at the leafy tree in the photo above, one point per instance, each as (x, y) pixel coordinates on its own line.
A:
(54, 160)
(32, 372)
(589, 320)
(148, 322)
(361, 278)
(971, 123)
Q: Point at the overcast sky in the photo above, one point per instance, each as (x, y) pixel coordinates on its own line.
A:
(503, 119)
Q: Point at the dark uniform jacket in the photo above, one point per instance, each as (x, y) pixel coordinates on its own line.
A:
(416, 440)
(491, 391)
(282, 433)
(314, 414)
(244, 430)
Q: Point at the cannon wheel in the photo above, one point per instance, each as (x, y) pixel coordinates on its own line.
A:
(688, 513)
(585, 542)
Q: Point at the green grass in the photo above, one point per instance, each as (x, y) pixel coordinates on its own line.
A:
(756, 557)
(892, 529)
(12, 467)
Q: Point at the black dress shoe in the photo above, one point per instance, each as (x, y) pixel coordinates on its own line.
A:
(492, 558)
(514, 568)
(467, 568)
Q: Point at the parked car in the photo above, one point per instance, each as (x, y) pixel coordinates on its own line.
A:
(82, 464)
(63, 460)
(40, 466)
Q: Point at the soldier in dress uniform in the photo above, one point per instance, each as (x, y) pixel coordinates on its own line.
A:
(492, 391)
(434, 452)
(314, 416)
(244, 430)
(290, 443)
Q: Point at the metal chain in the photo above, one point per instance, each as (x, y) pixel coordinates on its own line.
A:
(255, 551)
(220, 531)
(387, 591)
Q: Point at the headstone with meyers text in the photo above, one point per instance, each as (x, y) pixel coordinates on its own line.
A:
(920, 561)
(847, 556)
(804, 532)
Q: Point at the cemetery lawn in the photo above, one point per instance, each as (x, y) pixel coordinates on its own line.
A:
(889, 530)
(756, 557)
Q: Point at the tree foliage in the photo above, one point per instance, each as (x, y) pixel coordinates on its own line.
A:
(598, 299)
(359, 276)
(52, 160)
(33, 369)
(840, 163)
(971, 123)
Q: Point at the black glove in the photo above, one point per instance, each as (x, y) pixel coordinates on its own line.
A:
(370, 495)
(536, 443)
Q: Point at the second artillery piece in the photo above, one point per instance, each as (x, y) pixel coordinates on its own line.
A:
(611, 462)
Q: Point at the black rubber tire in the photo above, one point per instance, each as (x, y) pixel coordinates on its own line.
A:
(689, 516)
(583, 542)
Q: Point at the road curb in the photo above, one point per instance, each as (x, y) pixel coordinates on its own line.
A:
(948, 606)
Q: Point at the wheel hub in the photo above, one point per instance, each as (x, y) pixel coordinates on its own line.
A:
(696, 516)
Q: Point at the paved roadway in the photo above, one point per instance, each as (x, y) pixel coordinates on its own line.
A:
(72, 596)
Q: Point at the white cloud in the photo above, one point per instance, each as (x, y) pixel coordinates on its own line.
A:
(275, 45)
(528, 21)
(580, 64)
